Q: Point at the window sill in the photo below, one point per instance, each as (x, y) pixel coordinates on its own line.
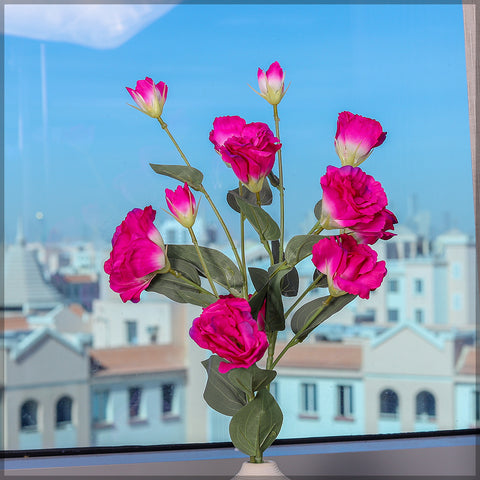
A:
(138, 421)
(308, 416)
(448, 455)
(170, 417)
(103, 425)
(341, 418)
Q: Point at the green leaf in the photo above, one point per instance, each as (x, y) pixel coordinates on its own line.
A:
(318, 210)
(180, 291)
(260, 220)
(310, 312)
(259, 277)
(220, 393)
(323, 282)
(274, 180)
(182, 173)
(266, 196)
(300, 247)
(251, 379)
(290, 283)
(186, 269)
(274, 312)
(221, 268)
(255, 426)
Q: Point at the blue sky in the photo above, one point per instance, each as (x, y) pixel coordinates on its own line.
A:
(86, 166)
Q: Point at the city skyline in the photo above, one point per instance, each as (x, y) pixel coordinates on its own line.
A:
(73, 146)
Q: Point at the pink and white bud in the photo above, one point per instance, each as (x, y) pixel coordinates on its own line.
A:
(272, 83)
(356, 138)
(149, 97)
(181, 203)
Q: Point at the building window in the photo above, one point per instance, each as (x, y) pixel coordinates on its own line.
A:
(418, 286)
(309, 398)
(168, 399)
(100, 406)
(392, 315)
(344, 401)
(388, 404)
(134, 402)
(152, 332)
(425, 406)
(28, 416)
(419, 316)
(131, 332)
(64, 412)
(392, 285)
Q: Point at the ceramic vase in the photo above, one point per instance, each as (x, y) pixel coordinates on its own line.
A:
(260, 471)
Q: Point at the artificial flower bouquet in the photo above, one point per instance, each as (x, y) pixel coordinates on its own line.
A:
(237, 325)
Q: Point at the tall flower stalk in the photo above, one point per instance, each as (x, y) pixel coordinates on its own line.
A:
(240, 328)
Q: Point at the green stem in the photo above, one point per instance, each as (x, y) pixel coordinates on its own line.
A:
(280, 177)
(242, 245)
(165, 127)
(316, 228)
(302, 296)
(202, 261)
(272, 339)
(210, 201)
(187, 280)
(268, 249)
(295, 340)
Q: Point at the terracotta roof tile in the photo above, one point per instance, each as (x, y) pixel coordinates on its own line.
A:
(322, 355)
(467, 363)
(16, 323)
(137, 359)
(79, 278)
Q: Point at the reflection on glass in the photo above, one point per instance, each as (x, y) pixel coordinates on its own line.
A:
(76, 159)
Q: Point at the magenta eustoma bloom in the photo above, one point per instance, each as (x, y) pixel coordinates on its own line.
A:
(138, 254)
(248, 148)
(272, 83)
(228, 329)
(181, 203)
(350, 267)
(149, 97)
(356, 201)
(356, 137)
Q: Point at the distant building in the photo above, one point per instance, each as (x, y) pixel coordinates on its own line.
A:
(45, 390)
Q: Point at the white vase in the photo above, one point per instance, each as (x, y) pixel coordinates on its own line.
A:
(260, 471)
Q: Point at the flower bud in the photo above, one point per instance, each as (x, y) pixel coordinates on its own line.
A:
(181, 203)
(271, 83)
(356, 137)
(149, 97)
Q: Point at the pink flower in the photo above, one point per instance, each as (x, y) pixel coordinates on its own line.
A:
(149, 97)
(228, 329)
(356, 201)
(248, 148)
(350, 267)
(271, 83)
(356, 137)
(181, 203)
(138, 254)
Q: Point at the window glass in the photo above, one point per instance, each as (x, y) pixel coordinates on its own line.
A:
(388, 403)
(308, 398)
(77, 159)
(28, 415)
(64, 411)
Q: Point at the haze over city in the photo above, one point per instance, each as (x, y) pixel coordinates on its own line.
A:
(77, 156)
